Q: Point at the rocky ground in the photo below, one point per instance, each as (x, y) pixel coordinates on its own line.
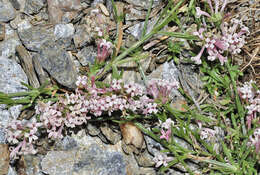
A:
(54, 40)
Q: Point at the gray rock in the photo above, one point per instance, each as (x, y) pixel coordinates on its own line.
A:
(93, 130)
(111, 135)
(96, 161)
(63, 30)
(11, 171)
(134, 14)
(167, 71)
(144, 159)
(15, 4)
(59, 162)
(153, 147)
(81, 36)
(87, 55)
(32, 164)
(7, 12)
(63, 34)
(33, 6)
(57, 8)
(7, 47)
(92, 160)
(58, 63)
(2, 136)
(95, 2)
(137, 29)
(11, 74)
(144, 3)
(67, 143)
(34, 37)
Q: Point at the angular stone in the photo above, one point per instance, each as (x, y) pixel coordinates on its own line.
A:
(143, 3)
(153, 147)
(144, 159)
(7, 12)
(63, 30)
(11, 74)
(67, 143)
(87, 55)
(93, 130)
(111, 135)
(32, 164)
(58, 63)
(15, 4)
(59, 162)
(2, 135)
(4, 159)
(81, 36)
(34, 37)
(33, 6)
(56, 9)
(27, 64)
(7, 47)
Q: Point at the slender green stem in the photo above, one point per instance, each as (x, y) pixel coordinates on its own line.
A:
(155, 30)
(240, 108)
(146, 18)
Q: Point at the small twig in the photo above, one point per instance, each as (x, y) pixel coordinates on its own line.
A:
(252, 58)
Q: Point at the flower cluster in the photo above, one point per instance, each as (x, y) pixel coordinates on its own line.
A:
(230, 38)
(75, 109)
(23, 134)
(207, 133)
(255, 140)
(104, 50)
(252, 96)
(166, 129)
(161, 89)
(161, 159)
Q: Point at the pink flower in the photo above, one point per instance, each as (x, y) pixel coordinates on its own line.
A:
(167, 124)
(197, 58)
(161, 159)
(104, 50)
(30, 136)
(165, 135)
(199, 12)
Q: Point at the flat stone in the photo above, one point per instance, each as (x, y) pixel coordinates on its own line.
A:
(144, 159)
(137, 29)
(7, 12)
(11, 171)
(57, 8)
(59, 162)
(111, 135)
(93, 130)
(34, 37)
(63, 30)
(58, 63)
(33, 6)
(4, 159)
(2, 135)
(63, 34)
(66, 143)
(144, 4)
(153, 147)
(32, 164)
(11, 74)
(87, 55)
(7, 47)
(15, 4)
(82, 36)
